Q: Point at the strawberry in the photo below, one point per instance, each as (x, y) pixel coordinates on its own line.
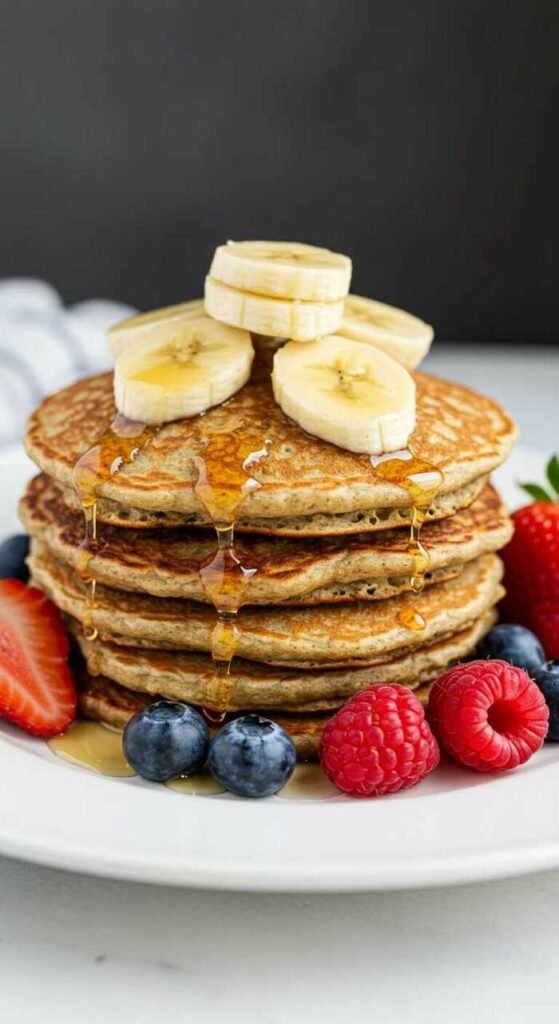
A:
(36, 688)
(544, 620)
(532, 556)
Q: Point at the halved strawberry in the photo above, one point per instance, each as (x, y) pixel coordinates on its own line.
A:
(36, 688)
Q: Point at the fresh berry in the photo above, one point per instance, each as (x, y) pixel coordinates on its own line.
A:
(532, 556)
(489, 715)
(515, 644)
(252, 756)
(165, 740)
(544, 620)
(13, 553)
(547, 678)
(36, 688)
(378, 743)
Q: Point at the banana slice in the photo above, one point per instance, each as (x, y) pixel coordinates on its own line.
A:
(353, 395)
(159, 379)
(403, 336)
(158, 324)
(283, 270)
(276, 318)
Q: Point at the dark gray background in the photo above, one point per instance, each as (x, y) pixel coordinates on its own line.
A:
(419, 137)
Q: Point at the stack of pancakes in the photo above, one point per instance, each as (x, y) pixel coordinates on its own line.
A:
(329, 608)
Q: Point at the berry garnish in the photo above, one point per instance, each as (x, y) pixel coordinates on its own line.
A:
(165, 740)
(547, 678)
(36, 688)
(544, 620)
(378, 743)
(489, 715)
(13, 552)
(532, 556)
(515, 644)
(252, 756)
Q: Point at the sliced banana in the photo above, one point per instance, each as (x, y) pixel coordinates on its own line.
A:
(403, 336)
(158, 324)
(160, 379)
(283, 270)
(276, 318)
(353, 395)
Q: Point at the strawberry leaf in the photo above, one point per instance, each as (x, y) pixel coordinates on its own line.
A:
(536, 492)
(553, 473)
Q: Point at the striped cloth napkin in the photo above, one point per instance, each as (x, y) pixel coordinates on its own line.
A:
(45, 345)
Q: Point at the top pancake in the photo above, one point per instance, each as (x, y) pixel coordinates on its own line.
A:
(464, 434)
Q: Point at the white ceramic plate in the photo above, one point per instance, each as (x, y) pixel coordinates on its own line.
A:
(457, 826)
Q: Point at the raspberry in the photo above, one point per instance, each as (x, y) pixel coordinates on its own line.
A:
(488, 714)
(378, 743)
(544, 620)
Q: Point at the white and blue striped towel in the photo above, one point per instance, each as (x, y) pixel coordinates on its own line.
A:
(45, 345)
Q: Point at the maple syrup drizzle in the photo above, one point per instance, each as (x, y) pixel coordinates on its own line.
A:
(95, 746)
(412, 619)
(224, 481)
(121, 443)
(422, 481)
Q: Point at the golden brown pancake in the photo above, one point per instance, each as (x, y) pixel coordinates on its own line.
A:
(345, 634)
(184, 676)
(463, 433)
(167, 563)
(317, 525)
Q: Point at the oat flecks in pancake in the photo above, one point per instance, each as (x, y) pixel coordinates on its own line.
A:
(185, 676)
(359, 633)
(465, 434)
(324, 570)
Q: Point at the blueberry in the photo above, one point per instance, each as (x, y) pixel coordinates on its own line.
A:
(165, 740)
(252, 756)
(515, 644)
(13, 553)
(547, 678)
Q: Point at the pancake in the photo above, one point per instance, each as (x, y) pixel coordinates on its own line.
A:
(167, 563)
(318, 525)
(462, 433)
(346, 634)
(103, 701)
(184, 676)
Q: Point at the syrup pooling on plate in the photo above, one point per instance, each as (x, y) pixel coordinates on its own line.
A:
(200, 784)
(121, 443)
(224, 481)
(421, 480)
(95, 746)
(98, 748)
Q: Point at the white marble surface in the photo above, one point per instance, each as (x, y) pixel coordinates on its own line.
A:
(82, 950)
